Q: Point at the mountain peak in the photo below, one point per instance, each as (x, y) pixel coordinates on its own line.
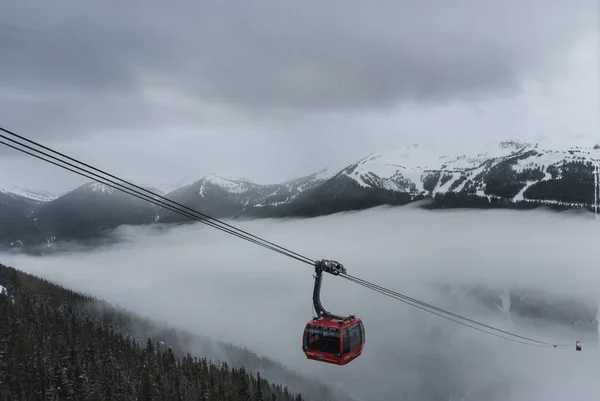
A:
(98, 187)
(165, 188)
(225, 181)
(325, 173)
(229, 184)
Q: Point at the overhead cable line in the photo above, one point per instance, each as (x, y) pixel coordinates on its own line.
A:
(147, 198)
(205, 216)
(431, 308)
(230, 229)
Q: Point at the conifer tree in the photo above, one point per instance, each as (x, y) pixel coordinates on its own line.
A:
(258, 394)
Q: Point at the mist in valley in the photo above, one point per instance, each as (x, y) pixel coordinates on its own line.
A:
(206, 281)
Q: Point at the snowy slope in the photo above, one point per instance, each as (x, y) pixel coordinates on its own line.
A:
(526, 166)
(216, 195)
(288, 191)
(405, 169)
(99, 188)
(230, 185)
(325, 174)
(419, 171)
(397, 170)
(222, 196)
(454, 168)
(35, 196)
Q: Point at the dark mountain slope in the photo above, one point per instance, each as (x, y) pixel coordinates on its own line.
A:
(225, 197)
(88, 211)
(338, 194)
(215, 196)
(15, 221)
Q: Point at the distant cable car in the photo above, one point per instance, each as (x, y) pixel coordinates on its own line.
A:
(330, 338)
(577, 346)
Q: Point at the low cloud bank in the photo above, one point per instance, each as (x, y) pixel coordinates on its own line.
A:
(209, 282)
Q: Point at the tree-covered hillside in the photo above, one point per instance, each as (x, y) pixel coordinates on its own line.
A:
(56, 344)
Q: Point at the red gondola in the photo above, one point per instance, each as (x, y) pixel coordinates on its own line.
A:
(330, 338)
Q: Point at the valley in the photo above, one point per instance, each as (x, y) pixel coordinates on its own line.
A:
(544, 287)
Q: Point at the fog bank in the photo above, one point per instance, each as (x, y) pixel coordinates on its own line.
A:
(209, 282)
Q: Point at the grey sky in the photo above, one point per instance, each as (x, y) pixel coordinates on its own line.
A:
(407, 349)
(157, 90)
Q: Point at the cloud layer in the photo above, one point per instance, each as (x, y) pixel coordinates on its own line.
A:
(115, 65)
(156, 91)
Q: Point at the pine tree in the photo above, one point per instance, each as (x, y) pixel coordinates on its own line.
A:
(258, 393)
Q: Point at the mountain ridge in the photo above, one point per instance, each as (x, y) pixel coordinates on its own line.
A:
(37, 196)
(509, 174)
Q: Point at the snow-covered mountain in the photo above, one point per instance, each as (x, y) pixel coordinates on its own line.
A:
(419, 172)
(221, 196)
(526, 172)
(518, 173)
(82, 214)
(16, 208)
(399, 170)
(507, 174)
(289, 190)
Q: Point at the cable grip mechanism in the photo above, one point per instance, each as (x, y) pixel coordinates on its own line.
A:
(330, 266)
(334, 268)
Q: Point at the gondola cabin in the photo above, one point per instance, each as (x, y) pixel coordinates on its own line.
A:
(333, 341)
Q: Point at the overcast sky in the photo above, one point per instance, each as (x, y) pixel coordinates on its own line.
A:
(154, 90)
